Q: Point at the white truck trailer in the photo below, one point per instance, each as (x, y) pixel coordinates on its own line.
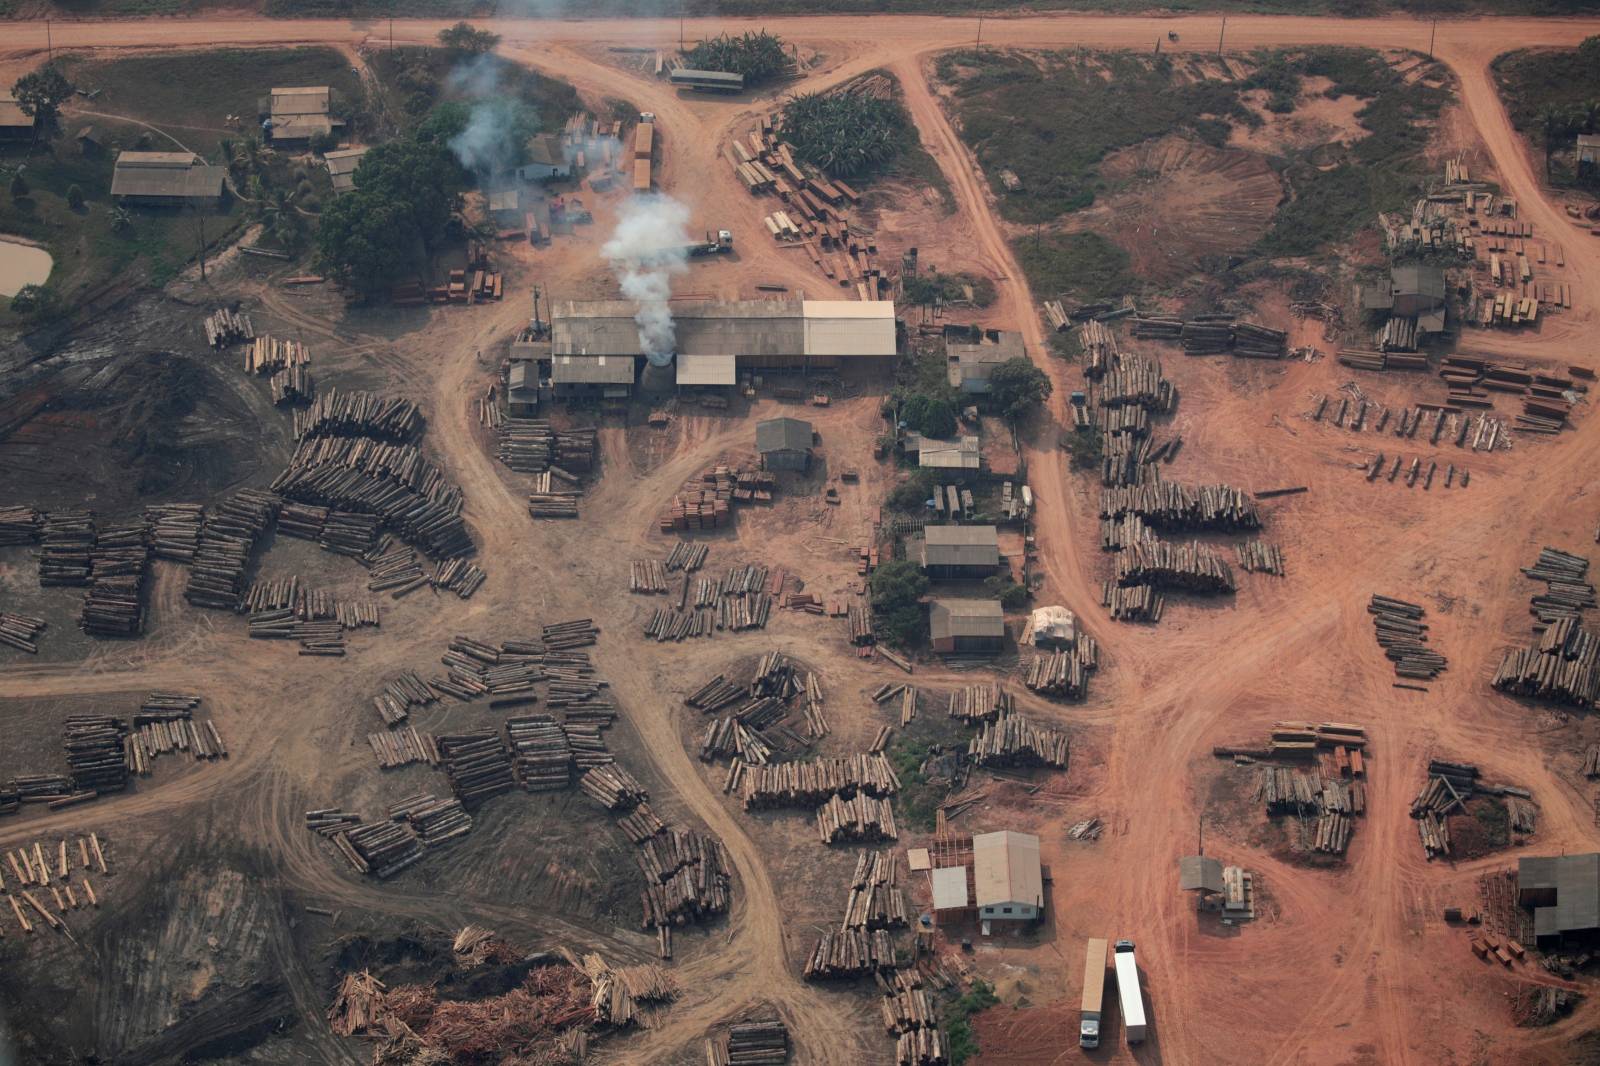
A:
(1128, 992)
(1094, 993)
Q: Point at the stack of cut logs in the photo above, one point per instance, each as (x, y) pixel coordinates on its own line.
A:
(648, 576)
(225, 328)
(434, 820)
(860, 624)
(1192, 567)
(752, 1043)
(527, 445)
(402, 747)
(216, 576)
(578, 633)
(96, 757)
(359, 414)
(19, 524)
(613, 787)
(1206, 334)
(175, 530)
(114, 606)
(979, 703)
(1012, 740)
(165, 723)
(478, 765)
(49, 866)
(540, 751)
(1132, 603)
(1064, 674)
(381, 849)
(393, 568)
(804, 784)
(1444, 793)
(860, 818)
(66, 547)
(458, 576)
(1169, 505)
(1564, 667)
(267, 354)
(292, 384)
(21, 631)
(687, 557)
(1256, 556)
(874, 905)
(687, 878)
(1567, 591)
(1404, 638)
(847, 953)
(400, 695)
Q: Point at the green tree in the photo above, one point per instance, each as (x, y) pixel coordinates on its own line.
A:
(75, 197)
(278, 213)
(1010, 594)
(19, 186)
(913, 493)
(1556, 125)
(932, 416)
(423, 176)
(897, 590)
(40, 95)
(464, 40)
(1017, 386)
(33, 300)
(367, 240)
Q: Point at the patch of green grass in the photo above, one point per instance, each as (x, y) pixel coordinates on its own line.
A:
(1495, 820)
(932, 284)
(957, 1020)
(1086, 265)
(191, 94)
(918, 799)
(1533, 79)
(415, 80)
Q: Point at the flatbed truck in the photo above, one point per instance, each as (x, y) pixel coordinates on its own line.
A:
(1094, 993)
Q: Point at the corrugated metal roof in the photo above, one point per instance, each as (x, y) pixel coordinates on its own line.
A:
(960, 546)
(707, 370)
(294, 127)
(165, 174)
(963, 454)
(342, 167)
(736, 327)
(966, 618)
(684, 74)
(840, 327)
(592, 370)
(1576, 879)
(1418, 279)
(949, 888)
(971, 364)
(1005, 869)
(1199, 872)
(11, 114)
(304, 100)
(783, 434)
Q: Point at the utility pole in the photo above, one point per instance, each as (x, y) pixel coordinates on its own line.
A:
(1431, 35)
(49, 45)
(680, 33)
(978, 45)
(1223, 34)
(391, 33)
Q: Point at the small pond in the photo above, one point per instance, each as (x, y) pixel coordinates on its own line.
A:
(21, 264)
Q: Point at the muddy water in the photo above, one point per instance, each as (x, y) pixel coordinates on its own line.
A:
(21, 264)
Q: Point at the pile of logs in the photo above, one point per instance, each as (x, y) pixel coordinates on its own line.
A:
(753, 1043)
(66, 547)
(1064, 674)
(1170, 505)
(19, 524)
(459, 576)
(527, 445)
(381, 849)
(21, 631)
(1567, 591)
(175, 530)
(1259, 557)
(696, 881)
(851, 953)
(716, 694)
(540, 751)
(647, 576)
(225, 328)
(402, 747)
(979, 703)
(1012, 740)
(50, 867)
(814, 781)
(478, 765)
(1208, 334)
(687, 557)
(1332, 833)
(860, 818)
(1404, 638)
(434, 820)
(860, 624)
(394, 570)
(359, 414)
(1132, 603)
(874, 901)
(216, 576)
(1564, 667)
(96, 757)
(267, 354)
(400, 695)
(613, 787)
(579, 633)
(640, 824)
(114, 606)
(165, 723)
(292, 385)
(1192, 567)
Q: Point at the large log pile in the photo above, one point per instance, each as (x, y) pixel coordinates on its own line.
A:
(1064, 674)
(687, 879)
(1168, 505)
(114, 606)
(613, 787)
(359, 414)
(540, 751)
(1403, 636)
(1192, 567)
(859, 818)
(19, 524)
(228, 536)
(814, 781)
(21, 631)
(848, 953)
(175, 530)
(751, 1043)
(434, 820)
(95, 755)
(1013, 740)
(478, 765)
(66, 547)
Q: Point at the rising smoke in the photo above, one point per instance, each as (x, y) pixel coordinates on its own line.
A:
(497, 122)
(649, 246)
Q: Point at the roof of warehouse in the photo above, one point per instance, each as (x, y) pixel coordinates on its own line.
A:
(842, 327)
(960, 546)
(305, 100)
(592, 369)
(949, 888)
(1576, 880)
(733, 327)
(1005, 868)
(165, 174)
(1199, 872)
(783, 434)
(342, 167)
(966, 618)
(706, 370)
(963, 454)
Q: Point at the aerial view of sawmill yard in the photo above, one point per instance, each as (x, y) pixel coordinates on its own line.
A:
(818, 532)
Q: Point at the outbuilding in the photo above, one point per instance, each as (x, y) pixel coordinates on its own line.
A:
(298, 113)
(955, 552)
(342, 168)
(574, 377)
(966, 625)
(971, 359)
(1007, 876)
(165, 179)
(784, 444)
(547, 160)
(522, 389)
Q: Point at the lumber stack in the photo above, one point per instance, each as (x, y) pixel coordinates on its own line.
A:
(21, 631)
(228, 536)
(478, 765)
(66, 547)
(1013, 740)
(540, 751)
(175, 530)
(1404, 638)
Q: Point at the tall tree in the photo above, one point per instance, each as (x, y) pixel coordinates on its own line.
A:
(40, 95)
(1016, 387)
(1557, 124)
(464, 40)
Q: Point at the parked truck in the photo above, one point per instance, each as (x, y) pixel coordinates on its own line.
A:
(1128, 992)
(1094, 991)
(720, 243)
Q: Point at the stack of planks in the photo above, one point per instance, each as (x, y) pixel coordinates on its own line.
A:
(225, 328)
(750, 1043)
(1064, 674)
(478, 765)
(229, 535)
(707, 502)
(21, 631)
(1012, 740)
(1403, 636)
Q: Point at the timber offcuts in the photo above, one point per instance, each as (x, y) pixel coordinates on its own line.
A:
(1403, 636)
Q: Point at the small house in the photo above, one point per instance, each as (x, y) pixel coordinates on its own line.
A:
(165, 179)
(972, 359)
(342, 168)
(298, 113)
(15, 124)
(1007, 876)
(962, 456)
(1588, 154)
(784, 444)
(589, 376)
(955, 552)
(88, 141)
(548, 160)
(957, 626)
(1564, 893)
(522, 389)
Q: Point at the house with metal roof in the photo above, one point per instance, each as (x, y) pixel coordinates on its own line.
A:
(784, 443)
(1564, 893)
(548, 160)
(342, 167)
(522, 389)
(964, 454)
(298, 113)
(581, 376)
(966, 625)
(970, 360)
(954, 552)
(1007, 876)
(165, 178)
(15, 124)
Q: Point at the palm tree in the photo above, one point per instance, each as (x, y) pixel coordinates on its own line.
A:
(281, 217)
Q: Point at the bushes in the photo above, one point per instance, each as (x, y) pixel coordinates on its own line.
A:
(1017, 387)
(931, 416)
(758, 56)
(845, 134)
(914, 493)
(1084, 264)
(75, 197)
(957, 1020)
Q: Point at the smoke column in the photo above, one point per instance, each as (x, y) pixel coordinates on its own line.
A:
(649, 246)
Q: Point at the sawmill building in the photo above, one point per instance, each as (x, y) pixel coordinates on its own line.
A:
(1007, 876)
(956, 552)
(958, 626)
(576, 377)
(1564, 894)
(784, 444)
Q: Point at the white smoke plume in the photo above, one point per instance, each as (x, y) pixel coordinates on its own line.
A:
(649, 246)
(488, 144)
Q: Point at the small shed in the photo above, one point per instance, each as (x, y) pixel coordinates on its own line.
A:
(165, 179)
(964, 455)
(967, 625)
(784, 444)
(950, 888)
(15, 124)
(1007, 876)
(1588, 153)
(954, 552)
(1199, 873)
(298, 113)
(342, 168)
(522, 389)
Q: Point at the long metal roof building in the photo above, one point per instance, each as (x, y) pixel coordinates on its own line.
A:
(165, 176)
(960, 546)
(1564, 892)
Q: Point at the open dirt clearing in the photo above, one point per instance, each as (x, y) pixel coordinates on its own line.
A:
(1354, 968)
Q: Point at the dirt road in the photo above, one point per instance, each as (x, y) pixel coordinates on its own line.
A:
(1329, 980)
